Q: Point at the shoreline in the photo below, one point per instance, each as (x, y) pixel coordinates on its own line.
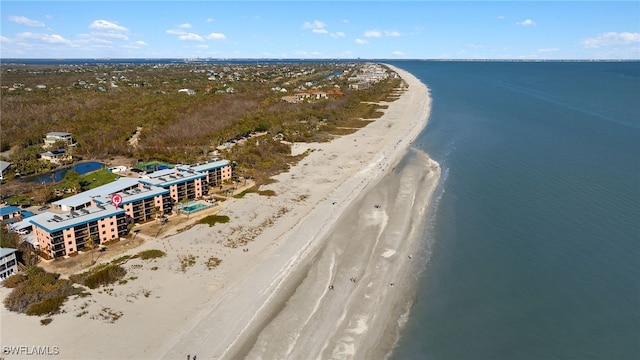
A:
(182, 311)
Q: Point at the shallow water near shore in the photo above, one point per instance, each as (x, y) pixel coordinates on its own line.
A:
(535, 230)
(359, 276)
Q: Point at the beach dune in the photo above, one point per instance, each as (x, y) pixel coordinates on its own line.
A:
(326, 273)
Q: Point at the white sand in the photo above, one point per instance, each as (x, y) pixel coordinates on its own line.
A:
(272, 301)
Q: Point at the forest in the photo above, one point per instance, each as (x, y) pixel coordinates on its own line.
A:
(104, 106)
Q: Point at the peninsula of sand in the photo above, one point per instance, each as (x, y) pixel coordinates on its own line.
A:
(325, 275)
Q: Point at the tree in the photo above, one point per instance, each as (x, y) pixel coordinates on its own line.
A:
(90, 244)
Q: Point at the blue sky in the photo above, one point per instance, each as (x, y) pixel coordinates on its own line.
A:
(321, 29)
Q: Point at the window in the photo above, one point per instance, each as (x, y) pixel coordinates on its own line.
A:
(69, 243)
(68, 235)
(104, 232)
(103, 225)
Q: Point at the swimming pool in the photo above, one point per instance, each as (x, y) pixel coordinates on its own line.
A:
(193, 208)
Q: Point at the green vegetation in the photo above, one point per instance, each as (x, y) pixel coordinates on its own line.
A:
(214, 219)
(103, 274)
(231, 101)
(39, 293)
(150, 254)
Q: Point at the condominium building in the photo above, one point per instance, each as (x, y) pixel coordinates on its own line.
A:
(182, 184)
(142, 203)
(60, 235)
(217, 171)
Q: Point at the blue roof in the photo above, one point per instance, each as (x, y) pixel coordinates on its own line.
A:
(207, 166)
(6, 210)
(133, 195)
(27, 213)
(53, 222)
(107, 189)
(170, 178)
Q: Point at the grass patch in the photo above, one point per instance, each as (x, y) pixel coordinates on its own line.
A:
(186, 261)
(99, 276)
(245, 192)
(46, 321)
(267, 193)
(214, 219)
(151, 254)
(213, 262)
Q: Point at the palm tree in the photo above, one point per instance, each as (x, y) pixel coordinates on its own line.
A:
(90, 243)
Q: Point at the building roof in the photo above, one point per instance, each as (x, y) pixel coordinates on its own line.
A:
(53, 222)
(171, 178)
(58, 133)
(6, 210)
(4, 165)
(209, 165)
(84, 197)
(6, 251)
(129, 196)
(21, 224)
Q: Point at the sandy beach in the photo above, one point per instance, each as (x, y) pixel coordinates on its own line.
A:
(324, 274)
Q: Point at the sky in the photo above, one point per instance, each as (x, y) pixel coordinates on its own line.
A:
(321, 29)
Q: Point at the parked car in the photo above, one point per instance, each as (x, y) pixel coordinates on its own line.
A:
(24, 231)
(43, 208)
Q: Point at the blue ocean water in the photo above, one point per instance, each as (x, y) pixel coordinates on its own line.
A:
(534, 241)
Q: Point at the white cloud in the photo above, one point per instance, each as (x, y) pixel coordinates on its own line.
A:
(548, 50)
(361, 41)
(175, 32)
(501, 17)
(216, 36)
(26, 21)
(612, 38)
(316, 24)
(4, 39)
(110, 35)
(391, 33)
(45, 38)
(107, 25)
(191, 37)
(185, 26)
(320, 31)
(373, 33)
(338, 34)
(397, 53)
(136, 45)
(527, 22)
(210, 20)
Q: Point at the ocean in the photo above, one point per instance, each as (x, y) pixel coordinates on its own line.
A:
(533, 243)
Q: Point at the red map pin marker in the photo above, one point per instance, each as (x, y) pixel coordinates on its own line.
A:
(116, 199)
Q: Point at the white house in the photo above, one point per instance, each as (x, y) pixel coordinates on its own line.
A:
(56, 156)
(52, 137)
(4, 166)
(8, 263)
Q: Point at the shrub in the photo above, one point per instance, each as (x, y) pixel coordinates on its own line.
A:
(14, 280)
(48, 306)
(151, 254)
(214, 219)
(36, 289)
(107, 275)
